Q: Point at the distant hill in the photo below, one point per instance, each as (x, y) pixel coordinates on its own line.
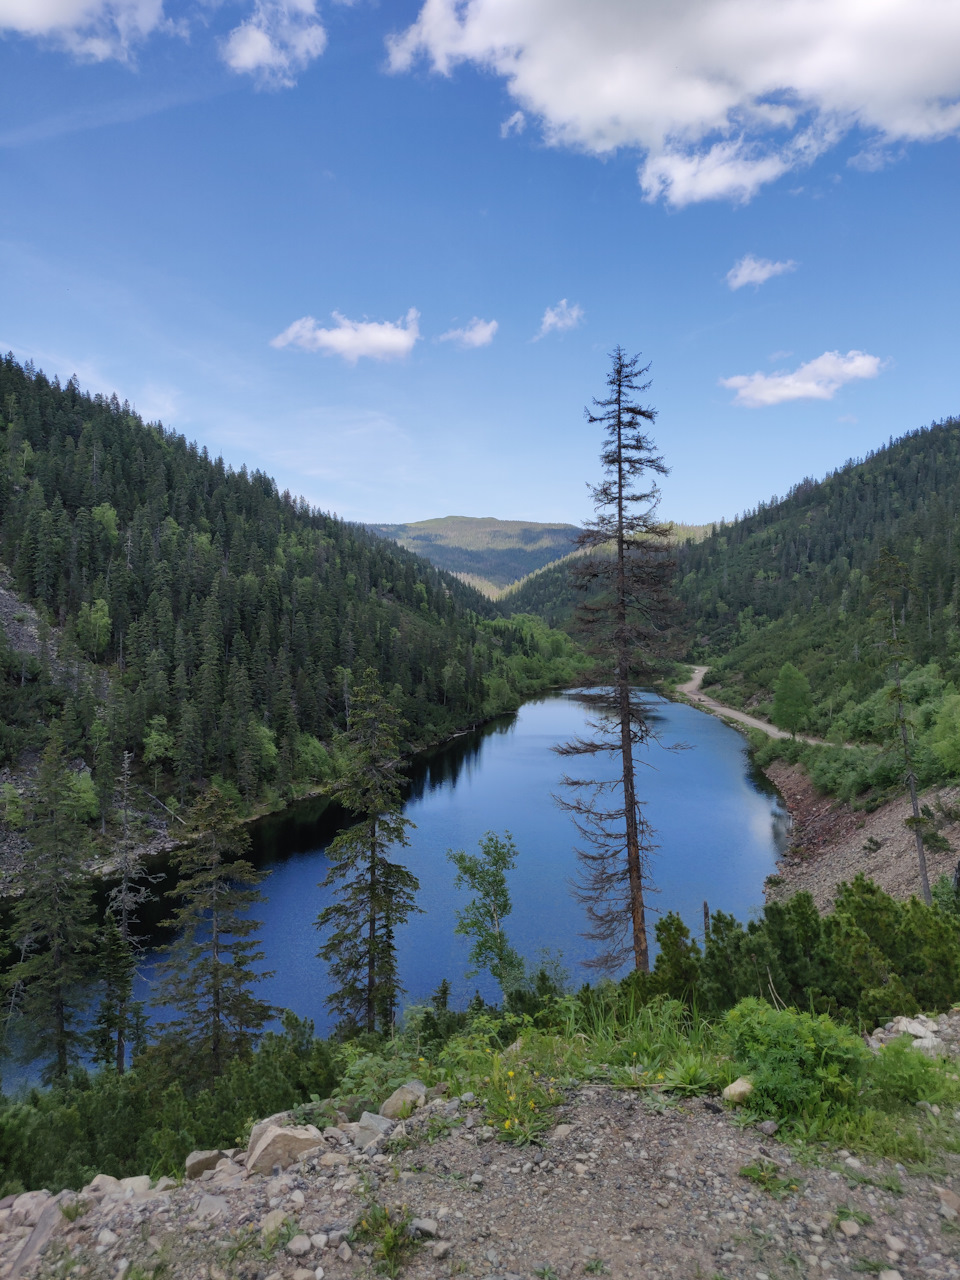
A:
(489, 554)
(549, 593)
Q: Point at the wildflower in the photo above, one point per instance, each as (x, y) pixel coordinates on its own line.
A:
(506, 1124)
(509, 1073)
(659, 1075)
(421, 1059)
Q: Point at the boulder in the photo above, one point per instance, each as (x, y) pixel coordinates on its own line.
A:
(402, 1101)
(739, 1091)
(198, 1162)
(280, 1146)
(101, 1185)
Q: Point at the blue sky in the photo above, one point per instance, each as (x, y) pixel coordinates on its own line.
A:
(489, 195)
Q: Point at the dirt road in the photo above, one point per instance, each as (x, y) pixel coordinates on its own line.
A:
(692, 691)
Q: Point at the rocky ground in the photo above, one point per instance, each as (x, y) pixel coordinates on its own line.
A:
(832, 842)
(624, 1185)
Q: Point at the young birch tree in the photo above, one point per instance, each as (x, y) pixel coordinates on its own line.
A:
(625, 624)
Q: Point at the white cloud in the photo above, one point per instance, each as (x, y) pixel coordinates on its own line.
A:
(818, 379)
(91, 29)
(278, 40)
(379, 340)
(751, 270)
(513, 124)
(560, 317)
(720, 96)
(478, 333)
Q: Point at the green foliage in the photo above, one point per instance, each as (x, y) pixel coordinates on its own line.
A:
(126, 1124)
(792, 703)
(485, 875)
(388, 1229)
(798, 1064)
(50, 928)
(241, 614)
(374, 894)
(211, 970)
(766, 1174)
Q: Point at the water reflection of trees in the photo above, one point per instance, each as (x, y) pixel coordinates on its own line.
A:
(441, 767)
(308, 825)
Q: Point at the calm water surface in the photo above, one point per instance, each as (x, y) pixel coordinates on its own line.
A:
(719, 830)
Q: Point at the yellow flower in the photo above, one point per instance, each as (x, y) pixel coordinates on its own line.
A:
(421, 1059)
(509, 1073)
(506, 1124)
(532, 1107)
(659, 1075)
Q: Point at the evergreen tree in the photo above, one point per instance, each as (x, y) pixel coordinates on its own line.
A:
(210, 973)
(792, 703)
(892, 586)
(374, 894)
(50, 926)
(625, 624)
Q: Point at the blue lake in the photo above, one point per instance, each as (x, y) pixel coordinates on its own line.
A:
(719, 829)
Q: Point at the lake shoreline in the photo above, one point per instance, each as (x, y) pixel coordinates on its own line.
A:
(831, 841)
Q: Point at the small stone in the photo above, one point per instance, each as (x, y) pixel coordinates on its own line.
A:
(562, 1131)
(303, 1273)
(887, 1274)
(299, 1245)
(768, 1128)
(107, 1238)
(100, 1185)
(212, 1207)
(272, 1221)
(949, 1203)
(441, 1249)
(579, 1169)
(468, 1097)
(297, 1198)
(853, 1162)
(344, 1252)
(849, 1228)
(476, 1179)
(895, 1244)
(320, 1240)
(425, 1226)
(739, 1091)
(275, 1145)
(331, 1158)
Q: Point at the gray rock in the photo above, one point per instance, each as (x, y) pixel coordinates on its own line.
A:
(768, 1127)
(198, 1162)
(280, 1146)
(299, 1246)
(407, 1098)
(424, 1226)
(441, 1249)
(212, 1207)
(344, 1252)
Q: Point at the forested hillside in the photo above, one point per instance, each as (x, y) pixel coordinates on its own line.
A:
(231, 618)
(489, 554)
(798, 581)
(549, 592)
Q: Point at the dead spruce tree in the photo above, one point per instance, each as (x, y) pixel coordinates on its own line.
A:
(625, 624)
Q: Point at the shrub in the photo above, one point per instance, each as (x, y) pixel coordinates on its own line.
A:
(800, 1065)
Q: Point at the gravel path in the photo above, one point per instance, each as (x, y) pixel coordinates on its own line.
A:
(631, 1186)
(691, 690)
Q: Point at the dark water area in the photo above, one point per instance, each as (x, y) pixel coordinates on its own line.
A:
(719, 825)
(720, 828)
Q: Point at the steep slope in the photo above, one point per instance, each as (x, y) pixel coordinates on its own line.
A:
(231, 617)
(795, 580)
(488, 553)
